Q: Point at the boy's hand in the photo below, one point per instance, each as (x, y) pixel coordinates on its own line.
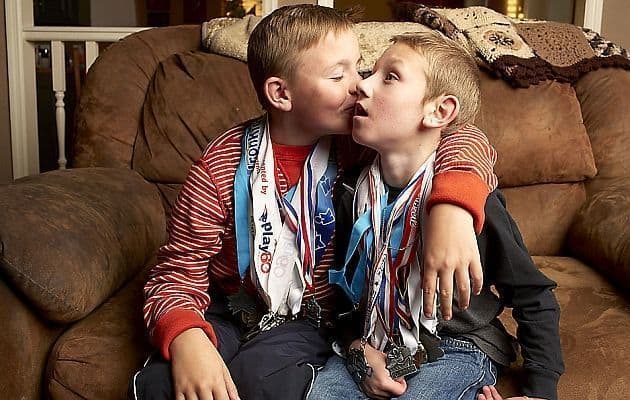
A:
(450, 249)
(380, 385)
(198, 369)
(491, 393)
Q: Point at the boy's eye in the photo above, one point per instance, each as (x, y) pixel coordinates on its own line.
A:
(391, 76)
(337, 78)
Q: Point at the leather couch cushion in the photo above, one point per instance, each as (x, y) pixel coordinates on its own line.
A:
(71, 238)
(600, 234)
(97, 357)
(594, 326)
(594, 323)
(109, 111)
(605, 103)
(194, 97)
(538, 133)
(544, 213)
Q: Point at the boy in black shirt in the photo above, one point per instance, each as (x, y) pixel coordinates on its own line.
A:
(425, 86)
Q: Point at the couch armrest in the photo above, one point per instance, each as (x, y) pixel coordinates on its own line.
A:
(600, 233)
(69, 239)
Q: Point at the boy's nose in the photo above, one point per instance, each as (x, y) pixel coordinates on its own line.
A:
(363, 88)
(354, 83)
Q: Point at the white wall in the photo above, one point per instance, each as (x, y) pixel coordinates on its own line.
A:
(113, 13)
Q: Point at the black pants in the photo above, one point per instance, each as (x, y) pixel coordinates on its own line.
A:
(277, 364)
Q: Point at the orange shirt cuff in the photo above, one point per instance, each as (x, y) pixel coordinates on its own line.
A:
(463, 189)
(175, 322)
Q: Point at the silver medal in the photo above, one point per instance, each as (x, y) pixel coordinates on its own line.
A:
(267, 322)
(270, 321)
(357, 365)
(400, 362)
(243, 305)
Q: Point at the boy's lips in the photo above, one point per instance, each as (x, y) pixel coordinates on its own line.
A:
(360, 111)
(349, 109)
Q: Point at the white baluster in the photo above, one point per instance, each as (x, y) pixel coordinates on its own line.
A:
(22, 88)
(593, 10)
(91, 52)
(59, 87)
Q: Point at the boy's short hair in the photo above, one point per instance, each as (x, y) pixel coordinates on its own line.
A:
(450, 71)
(275, 43)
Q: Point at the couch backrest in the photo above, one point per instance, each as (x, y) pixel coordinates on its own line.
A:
(153, 101)
(110, 108)
(544, 156)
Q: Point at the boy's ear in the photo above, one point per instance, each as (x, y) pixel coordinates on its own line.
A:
(277, 93)
(443, 111)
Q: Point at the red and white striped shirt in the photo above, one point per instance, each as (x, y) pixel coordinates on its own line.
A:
(200, 255)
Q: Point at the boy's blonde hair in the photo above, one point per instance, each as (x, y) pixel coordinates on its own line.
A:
(450, 71)
(276, 42)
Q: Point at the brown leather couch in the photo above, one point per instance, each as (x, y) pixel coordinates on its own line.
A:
(75, 244)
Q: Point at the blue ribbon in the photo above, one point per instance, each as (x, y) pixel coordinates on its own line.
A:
(324, 210)
(353, 283)
(243, 195)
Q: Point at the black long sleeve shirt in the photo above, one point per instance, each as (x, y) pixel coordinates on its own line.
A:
(520, 285)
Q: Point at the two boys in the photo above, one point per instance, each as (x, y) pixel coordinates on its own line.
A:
(254, 223)
(425, 86)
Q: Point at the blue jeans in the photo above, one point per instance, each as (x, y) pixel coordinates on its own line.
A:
(459, 375)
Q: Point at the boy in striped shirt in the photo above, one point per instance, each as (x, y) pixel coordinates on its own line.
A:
(423, 87)
(254, 222)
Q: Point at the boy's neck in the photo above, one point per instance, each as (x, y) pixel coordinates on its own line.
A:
(399, 166)
(282, 130)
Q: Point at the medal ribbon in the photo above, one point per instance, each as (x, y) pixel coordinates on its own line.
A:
(388, 239)
(276, 248)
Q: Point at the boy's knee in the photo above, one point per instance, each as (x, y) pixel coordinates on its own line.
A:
(153, 382)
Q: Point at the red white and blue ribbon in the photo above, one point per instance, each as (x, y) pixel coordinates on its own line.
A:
(388, 239)
(282, 237)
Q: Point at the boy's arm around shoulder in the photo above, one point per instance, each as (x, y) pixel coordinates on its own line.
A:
(463, 178)
(464, 172)
(529, 293)
(176, 292)
(464, 169)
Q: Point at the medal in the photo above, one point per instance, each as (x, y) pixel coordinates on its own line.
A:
(281, 238)
(357, 365)
(400, 361)
(313, 312)
(267, 322)
(243, 305)
(388, 239)
(270, 321)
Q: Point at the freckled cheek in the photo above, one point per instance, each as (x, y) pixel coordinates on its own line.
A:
(385, 111)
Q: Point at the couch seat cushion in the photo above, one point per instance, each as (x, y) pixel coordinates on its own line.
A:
(594, 331)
